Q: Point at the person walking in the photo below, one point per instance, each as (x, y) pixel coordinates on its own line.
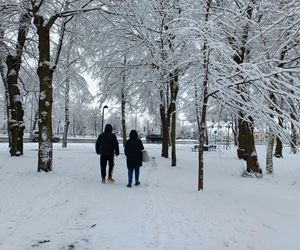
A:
(133, 152)
(107, 145)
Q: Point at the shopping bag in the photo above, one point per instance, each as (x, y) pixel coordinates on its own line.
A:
(145, 156)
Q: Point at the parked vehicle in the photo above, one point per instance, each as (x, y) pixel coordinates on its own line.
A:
(154, 138)
(35, 137)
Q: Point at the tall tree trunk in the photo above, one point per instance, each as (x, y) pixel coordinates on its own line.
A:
(204, 107)
(58, 126)
(269, 156)
(197, 111)
(67, 89)
(293, 136)
(13, 62)
(67, 113)
(250, 151)
(3, 77)
(173, 138)
(164, 103)
(31, 115)
(172, 90)
(271, 138)
(123, 103)
(36, 116)
(45, 73)
(167, 116)
(239, 58)
(174, 87)
(16, 113)
(203, 119)
(123, 110)
(246, 148)
(206, 135)
(241, 150)
(74, 125)
(278, 148)
(7, 106)
(165, 131)
(234, 131)
(202, 139)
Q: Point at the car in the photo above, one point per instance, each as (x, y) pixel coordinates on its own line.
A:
(35, 137)
(154, 138)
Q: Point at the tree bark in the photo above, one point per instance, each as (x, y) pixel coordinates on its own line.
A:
(250, 151)
(293, 136)
(67, 89)
(269, 156)
(241, 150)
(165, 132)
(278, 148)
(15, 109)
(173, 139)
(123, 110)
(67, 113)
(3, 77)
(206, 135)
(174, 86)
(74, 125)
(16, 112)
(197, 106)
(35, 121)
(271, 139)
(239, 58)
(202, 140)
(123, 104)
(45, 73)
(202, 121)
(234, 131)
(246, 148)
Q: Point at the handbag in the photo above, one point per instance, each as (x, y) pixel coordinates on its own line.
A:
(145, 156)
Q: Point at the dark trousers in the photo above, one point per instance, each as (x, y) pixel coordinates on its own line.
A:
(103, 163)
(136, 171)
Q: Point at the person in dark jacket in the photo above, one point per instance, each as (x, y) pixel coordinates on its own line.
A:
(107, 145)
(133, 152)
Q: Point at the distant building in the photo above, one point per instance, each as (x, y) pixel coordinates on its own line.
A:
(259, 136)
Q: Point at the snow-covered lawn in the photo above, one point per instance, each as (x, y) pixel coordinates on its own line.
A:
(70, 209)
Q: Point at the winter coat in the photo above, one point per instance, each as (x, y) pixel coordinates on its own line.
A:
(107, 143)
(133, 150)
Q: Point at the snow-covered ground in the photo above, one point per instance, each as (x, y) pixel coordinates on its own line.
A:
(70, 209)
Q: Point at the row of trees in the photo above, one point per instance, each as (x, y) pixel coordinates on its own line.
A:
(241, 55)
(159, 57)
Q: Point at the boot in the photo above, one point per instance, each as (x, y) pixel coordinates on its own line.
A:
(103, 180)
(110, 179)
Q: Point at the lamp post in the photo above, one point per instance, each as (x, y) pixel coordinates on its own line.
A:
(102, 123)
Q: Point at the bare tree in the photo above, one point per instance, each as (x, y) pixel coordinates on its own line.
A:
(13, 62)
(46, 68)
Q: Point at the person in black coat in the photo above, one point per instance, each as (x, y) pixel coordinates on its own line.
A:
(107, 145)
(133, 152)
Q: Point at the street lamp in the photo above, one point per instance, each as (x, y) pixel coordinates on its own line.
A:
(105, 107)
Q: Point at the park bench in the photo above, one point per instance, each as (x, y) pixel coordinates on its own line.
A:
(210, 147)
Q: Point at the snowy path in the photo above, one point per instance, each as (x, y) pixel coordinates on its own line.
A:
(70, 209)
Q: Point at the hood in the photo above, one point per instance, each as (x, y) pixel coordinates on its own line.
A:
(133, 134)
(108, 128)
